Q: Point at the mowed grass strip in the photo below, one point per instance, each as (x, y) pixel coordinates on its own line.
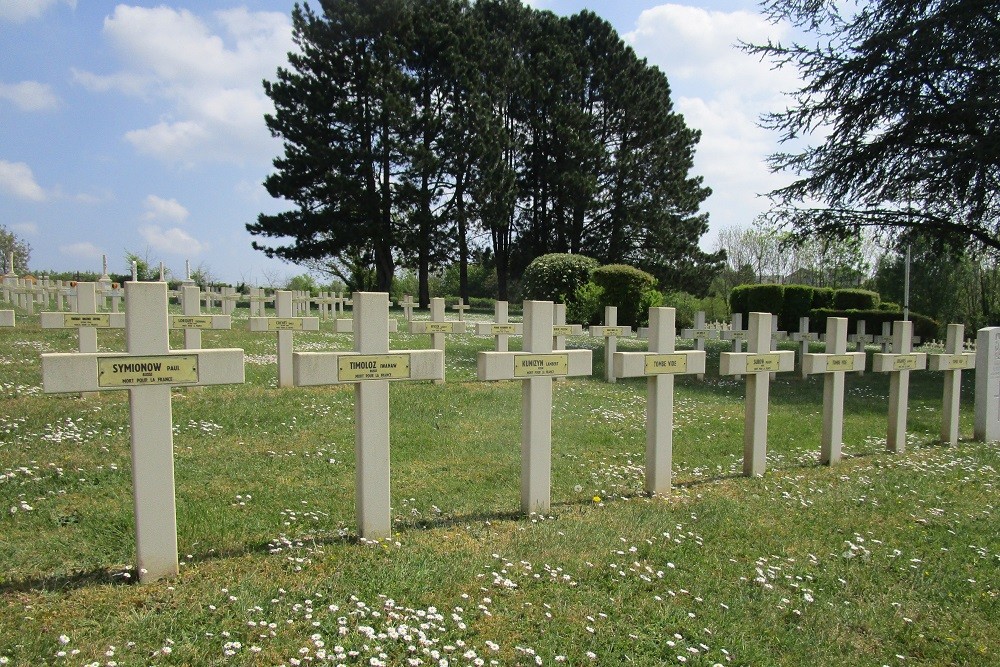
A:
(882, 559)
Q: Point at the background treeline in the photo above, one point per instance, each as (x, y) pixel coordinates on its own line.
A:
(418, 133)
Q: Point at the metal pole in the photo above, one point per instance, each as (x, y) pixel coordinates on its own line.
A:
(906, 286)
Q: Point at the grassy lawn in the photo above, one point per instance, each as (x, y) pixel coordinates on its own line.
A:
(880, 560)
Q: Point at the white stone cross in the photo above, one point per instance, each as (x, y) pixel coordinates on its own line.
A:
(461, 307)
(757, 364)
(284, 324)
(193, 322)
(501, 328)
(952, 362)
(736, 333)
(536, 366)
(803, 337)
(86, 320)
(6, 318)
(700, 334)
(833, 364)
(987, 424)
(370, 367)
(610, 333)
(898, 364)
(885, 340)
(438, 327)
(147, 370)
(257, 300)
(659, 366)
(861, 340)
(560, 329)
(407, 305)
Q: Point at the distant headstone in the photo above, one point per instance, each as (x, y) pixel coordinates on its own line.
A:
(461, 307)
(659, 366)
(370, 367)
(284, 324)
(861, 340)
(898, 364)
(258, 298)
(952, 362)
(736, 333)
(700, 333)
(147, 370)
(610, 332)
(987, 425)
(803, 337)
(407, 305)
(757, 364)
(536, 367)
(501, 328)
(438, 327)
(833, 364)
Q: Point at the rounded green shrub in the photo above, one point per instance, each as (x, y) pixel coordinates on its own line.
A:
(765, 299)
(587, 305)
(556, 277)
(629, 289)
(855, 299)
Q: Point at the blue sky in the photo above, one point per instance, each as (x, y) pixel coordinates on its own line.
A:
(139, 127)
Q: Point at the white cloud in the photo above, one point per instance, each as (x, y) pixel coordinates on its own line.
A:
(723, 92)
(158, 208)
(174, 241)
(30, 95)
(207, 73)
(24, 228)
(18, 11)
(17, 179)
(82, 250)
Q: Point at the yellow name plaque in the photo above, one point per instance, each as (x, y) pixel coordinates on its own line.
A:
(562, 330)
(440, 327)
(761, 363)
(360, 367)
(701, 334)
(536, 365)
(613, 331)
(661, 364)
(99, 320)
(172, 369)
(190, 321)
(906, 362)
(284, 324)
(839, 363)
(497, 329)
(958, 362)
(740, 334)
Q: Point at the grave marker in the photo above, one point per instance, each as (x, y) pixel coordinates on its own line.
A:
(192, 322)
(438, 327)
(834, 363)
(952, 362)
(6, 318)
(987, 427)
(659, 366)
(284, 324)
(898, 364)
(147, 370)
(885, 339)
(700, 334)
(370, 367)
(407, 305)
(861, 340)
(257, 300)
(736, 333)
(803, 337)
(610, 332)
(535, 367)
(86, 320)
(461, 307)
(757, 364)
(501, 328)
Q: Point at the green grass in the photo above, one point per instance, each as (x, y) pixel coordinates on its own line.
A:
(883, 559)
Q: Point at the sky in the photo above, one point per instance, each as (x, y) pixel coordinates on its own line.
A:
(139, 127)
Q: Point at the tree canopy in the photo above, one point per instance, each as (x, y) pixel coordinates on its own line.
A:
(12, 243)
(901, 99)
(415, 131)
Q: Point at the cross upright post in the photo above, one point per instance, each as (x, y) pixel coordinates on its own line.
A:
(370, 367)
(147, 370)
(659, 366)
(898, 364)
(501, 328)
(987, 425)
(803, 337)
(700, 334)
(461, 307)
(438, 327)
(610, 333)
(284, 324)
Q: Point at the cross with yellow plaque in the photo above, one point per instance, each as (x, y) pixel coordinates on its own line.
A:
(501, 328)
(284, 324)
(898, 365)
(952, 362)
(192, 322)
(86, 320)
(535, 367)
(833, 364)
(659, 366)
(757, 364)
(369, 368)
(610, 332)
(438, 327)
(147, 370)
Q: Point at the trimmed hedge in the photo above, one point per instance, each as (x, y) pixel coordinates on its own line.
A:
(822, 297)
(855, 299)
(797, 302)
(738, 299)
(626, 287)
(923, 326)
(556, 277)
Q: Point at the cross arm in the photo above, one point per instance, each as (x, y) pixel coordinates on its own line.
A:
(313, 369)
(833, 363)
(523, 365)
(606, 331)
(445, 327)
(75, 372)
(742, 363)
(888, 363)
(284, 324)
(496, 328)
(951, 362)
(639, 364)
(78, 320)
(704, 334)
(201, 322)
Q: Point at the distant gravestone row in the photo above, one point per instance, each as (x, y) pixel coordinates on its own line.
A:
(148, 370)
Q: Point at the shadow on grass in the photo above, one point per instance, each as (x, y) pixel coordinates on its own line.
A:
(68, 582)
